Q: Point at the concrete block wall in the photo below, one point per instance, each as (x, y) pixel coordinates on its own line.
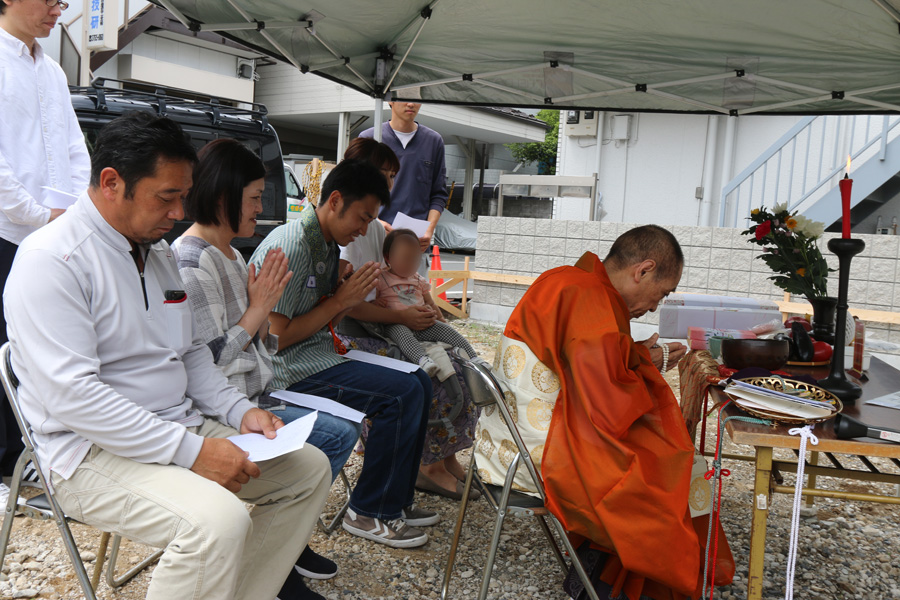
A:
(717, 261)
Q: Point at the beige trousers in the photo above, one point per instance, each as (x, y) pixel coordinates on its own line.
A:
(215, 548)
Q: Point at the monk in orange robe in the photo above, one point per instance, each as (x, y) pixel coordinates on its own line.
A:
(617, 460)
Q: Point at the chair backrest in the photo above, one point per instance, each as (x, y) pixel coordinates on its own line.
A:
(11, 385)
(487, 391)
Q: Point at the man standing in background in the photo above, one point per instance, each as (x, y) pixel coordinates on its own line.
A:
(420, 188)
(41, 144)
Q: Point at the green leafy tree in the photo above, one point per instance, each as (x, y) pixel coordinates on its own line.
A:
(542, 153)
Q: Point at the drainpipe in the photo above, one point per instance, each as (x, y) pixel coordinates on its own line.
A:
(727, 170)
(709, 164)
(596, 201)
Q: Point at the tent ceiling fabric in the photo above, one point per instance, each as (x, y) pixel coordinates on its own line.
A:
(706, 56)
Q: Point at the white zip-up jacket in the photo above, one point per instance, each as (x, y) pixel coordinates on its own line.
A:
(101, 357)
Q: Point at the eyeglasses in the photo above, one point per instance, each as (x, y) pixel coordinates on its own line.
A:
(62, 5)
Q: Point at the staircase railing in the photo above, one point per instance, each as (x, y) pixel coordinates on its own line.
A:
(805, 163)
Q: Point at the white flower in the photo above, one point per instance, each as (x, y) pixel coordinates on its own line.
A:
(809, 228)
(779, 208)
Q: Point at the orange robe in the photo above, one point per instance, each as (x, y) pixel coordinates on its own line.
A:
(617, 461)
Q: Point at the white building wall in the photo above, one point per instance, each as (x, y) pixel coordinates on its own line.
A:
(654, 176)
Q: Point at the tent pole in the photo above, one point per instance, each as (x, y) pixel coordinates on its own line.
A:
(727, 166)
(379, 118)
(709, 163)
(343, 134)
(470, 180)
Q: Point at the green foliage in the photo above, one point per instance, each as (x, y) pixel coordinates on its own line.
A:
(542, 153)
(790, 250)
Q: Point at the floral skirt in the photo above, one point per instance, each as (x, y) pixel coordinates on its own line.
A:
(448, 436)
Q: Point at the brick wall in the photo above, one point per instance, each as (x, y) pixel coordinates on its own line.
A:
(717, 261)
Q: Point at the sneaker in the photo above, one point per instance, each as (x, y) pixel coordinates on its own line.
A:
(428, 365)
(419, 517)
(294, 588)
(395, 533)
(315, 566)
(4, 497)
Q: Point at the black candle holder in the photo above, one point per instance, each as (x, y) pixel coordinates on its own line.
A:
(837, 382)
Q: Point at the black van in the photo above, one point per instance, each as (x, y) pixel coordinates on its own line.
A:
(204, 119)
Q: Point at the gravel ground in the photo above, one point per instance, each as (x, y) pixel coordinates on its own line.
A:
(848, 549)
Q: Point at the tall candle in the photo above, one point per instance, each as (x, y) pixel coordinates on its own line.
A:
(846, 184)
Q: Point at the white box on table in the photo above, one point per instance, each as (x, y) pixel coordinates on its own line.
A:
(680, 311)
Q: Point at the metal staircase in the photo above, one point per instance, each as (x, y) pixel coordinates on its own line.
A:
(804, 166)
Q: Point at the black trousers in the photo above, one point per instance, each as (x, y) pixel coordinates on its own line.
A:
(10, 436)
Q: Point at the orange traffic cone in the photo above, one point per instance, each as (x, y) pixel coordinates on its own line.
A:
(436, 266)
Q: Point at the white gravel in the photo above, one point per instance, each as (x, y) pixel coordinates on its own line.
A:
(848, 549)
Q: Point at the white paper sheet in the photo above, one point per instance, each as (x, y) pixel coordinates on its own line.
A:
(53, 198)
(772, 403)
(889, 401)
(404, 221)
(382, 361)
(321, 404)
(287, 439)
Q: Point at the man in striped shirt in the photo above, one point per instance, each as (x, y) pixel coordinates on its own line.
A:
(315, 299)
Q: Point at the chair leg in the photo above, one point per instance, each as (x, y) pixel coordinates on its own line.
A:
(576, 562)
(101, 558)
(556, 551)
(111, 578)
(498, 527)
(11, 504)
(336, 521)
(451, 559)
(72, 550)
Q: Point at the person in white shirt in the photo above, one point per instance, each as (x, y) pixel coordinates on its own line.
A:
(41, 145)
(127, 408)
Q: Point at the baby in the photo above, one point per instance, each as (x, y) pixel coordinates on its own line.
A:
(400, 286)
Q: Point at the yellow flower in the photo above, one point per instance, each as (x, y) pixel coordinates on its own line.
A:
(754, 212)
(801, 272)
(791, 222)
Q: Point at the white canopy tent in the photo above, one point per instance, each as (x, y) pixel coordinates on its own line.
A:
(702, 56)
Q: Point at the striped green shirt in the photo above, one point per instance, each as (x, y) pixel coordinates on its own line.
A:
(314, 263)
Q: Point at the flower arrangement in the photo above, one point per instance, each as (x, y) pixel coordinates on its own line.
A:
(790, 250)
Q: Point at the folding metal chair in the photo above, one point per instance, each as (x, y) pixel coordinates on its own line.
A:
(44, 506)
(486, 392)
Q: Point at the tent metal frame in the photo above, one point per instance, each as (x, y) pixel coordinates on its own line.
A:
(381, 90)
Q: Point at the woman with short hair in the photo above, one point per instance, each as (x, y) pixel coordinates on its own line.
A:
(231, 305)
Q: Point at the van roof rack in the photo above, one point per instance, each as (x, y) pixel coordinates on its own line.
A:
(163, 98)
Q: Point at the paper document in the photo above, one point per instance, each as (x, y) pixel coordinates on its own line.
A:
(769, 402)
(287, 439)
(53, 198)
(318, 403)
(404, 221)
(382, 361)
(889, 401)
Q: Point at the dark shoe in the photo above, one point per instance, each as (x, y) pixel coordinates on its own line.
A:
(294, 588)
(315, 566)
(424, 483)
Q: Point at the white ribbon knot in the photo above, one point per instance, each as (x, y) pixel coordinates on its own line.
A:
(806, 435)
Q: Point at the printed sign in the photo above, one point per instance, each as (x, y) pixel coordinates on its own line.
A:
(102, 24)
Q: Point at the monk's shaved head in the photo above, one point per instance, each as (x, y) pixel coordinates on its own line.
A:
(648, 242)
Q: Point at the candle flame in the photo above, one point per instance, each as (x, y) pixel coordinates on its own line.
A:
(848, 164)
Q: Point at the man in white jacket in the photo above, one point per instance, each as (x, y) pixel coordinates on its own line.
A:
(128, 411)
(41, 145)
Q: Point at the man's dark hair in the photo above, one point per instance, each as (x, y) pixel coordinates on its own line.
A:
(133, 144)
(375, 153)
(225, 168)
(355, 180)
(648, 242)
(393, 236)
